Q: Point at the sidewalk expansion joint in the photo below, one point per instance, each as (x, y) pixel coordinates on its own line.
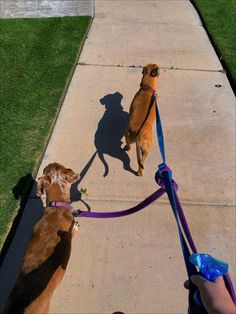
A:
(171, 68)
(161, 202)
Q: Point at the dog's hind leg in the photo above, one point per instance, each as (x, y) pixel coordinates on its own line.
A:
(142, 149)
(144, 156)
(139, 160)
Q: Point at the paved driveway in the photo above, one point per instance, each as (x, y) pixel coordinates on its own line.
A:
(45, 8)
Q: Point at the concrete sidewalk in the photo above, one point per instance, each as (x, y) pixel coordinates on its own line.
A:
(135, 264)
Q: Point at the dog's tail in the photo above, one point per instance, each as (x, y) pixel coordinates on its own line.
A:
(138, 151)
(106, 168)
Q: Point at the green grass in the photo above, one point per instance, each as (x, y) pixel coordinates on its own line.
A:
(219, 17)
(37, 57)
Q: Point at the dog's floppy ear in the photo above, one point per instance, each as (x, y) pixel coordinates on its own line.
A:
(40, 186)
(43, 183)
(70, 176)
(145, 71)
(155, 72)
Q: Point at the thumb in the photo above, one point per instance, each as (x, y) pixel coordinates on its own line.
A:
(198, 280)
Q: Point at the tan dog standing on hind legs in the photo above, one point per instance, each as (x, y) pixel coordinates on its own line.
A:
(48, 251)
(142, 115)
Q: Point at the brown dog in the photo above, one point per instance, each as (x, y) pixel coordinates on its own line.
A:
(48, 251)
(142, 116)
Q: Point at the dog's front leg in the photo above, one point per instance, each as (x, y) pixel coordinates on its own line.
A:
(75, 228)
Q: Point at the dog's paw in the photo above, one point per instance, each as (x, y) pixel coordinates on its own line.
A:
(139, 173)
(76, 226)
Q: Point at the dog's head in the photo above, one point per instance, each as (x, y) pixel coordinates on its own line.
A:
(56, 177)
(150, 73)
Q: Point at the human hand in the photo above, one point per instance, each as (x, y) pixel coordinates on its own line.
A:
(215, 297)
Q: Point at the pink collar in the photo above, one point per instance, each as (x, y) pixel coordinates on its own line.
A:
(60, 204)
(147, 87)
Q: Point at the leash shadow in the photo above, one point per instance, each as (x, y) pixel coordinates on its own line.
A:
(110, 131)
(75, 194)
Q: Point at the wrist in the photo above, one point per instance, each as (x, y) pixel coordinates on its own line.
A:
(224, 307)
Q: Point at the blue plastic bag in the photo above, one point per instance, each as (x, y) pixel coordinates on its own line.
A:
(209, 267)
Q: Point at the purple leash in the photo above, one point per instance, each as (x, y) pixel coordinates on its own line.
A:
(180, 211)
(149, 200)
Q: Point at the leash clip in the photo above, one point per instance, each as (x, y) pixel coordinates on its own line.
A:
(76, 212)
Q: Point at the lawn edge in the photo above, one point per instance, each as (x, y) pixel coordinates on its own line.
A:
(61, 101)
(18, 215)
(217, 51)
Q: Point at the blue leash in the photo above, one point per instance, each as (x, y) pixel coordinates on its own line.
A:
(208, 266)
(160, 135)
(167, 176)
(193, 307)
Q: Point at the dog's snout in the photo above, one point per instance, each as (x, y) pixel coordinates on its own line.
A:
(155, 72)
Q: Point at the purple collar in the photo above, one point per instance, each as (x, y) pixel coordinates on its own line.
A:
(147, 87)
(60, 204)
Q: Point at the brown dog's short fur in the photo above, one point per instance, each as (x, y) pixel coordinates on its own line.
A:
(137, 114)
(48, 251)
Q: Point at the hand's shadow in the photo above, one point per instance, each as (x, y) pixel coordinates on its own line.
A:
(110, 132)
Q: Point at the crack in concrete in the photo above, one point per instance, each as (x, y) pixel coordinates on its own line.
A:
(171, 68)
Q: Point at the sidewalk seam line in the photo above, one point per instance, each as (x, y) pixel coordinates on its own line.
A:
(172, 68)
(160, 202)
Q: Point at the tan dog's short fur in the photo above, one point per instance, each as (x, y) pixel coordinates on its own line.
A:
(48, 251)
(138, 110)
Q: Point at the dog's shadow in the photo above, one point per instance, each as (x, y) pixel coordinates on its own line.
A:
(38, 278)
(31, 209)
(110, 131)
